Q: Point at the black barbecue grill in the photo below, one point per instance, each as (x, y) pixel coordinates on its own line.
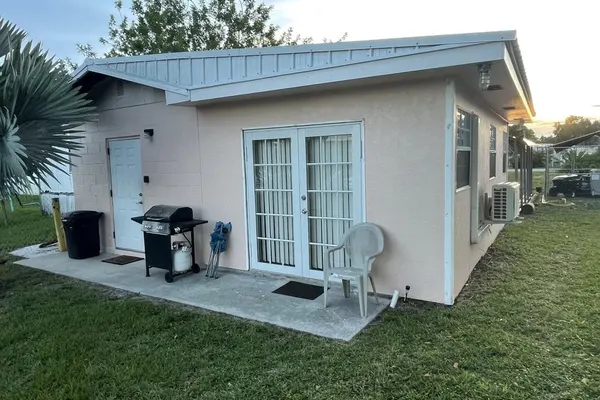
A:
(159, 223)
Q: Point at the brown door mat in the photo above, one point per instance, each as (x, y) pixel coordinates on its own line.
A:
(122, 260)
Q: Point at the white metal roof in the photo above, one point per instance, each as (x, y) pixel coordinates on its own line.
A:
(185, 75)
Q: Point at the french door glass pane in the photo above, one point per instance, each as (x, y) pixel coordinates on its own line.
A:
(273, 201)
(330, 195)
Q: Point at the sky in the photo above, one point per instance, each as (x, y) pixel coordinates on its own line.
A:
(559, 40)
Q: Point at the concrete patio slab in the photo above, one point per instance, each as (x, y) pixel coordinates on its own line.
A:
(35, 251)
(242, 294)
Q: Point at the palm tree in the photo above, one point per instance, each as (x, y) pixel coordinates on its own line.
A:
(573, 159)
(41, 113)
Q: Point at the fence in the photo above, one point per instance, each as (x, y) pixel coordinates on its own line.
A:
(61, 186)
(554, 170)
(521, 157)
(66, 201)
(568, 170)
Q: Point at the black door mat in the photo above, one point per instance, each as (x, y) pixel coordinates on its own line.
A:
(300, 290)
(122, 260)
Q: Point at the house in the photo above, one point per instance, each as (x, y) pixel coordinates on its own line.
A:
(295, 144)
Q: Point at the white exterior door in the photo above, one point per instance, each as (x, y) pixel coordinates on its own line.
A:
(304, 191)
(126, 185)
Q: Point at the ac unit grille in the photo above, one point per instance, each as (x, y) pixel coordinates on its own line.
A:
(505, 203)
(500, 203)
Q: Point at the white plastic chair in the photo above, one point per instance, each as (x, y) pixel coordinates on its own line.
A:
(362, 243)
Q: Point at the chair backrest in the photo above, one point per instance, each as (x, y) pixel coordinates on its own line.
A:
(361, 242)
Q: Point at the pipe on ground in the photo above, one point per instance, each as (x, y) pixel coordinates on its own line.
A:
(529, 208)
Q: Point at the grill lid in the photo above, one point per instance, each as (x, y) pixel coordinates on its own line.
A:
(165, 213)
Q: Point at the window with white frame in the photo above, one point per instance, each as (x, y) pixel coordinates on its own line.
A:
(504, 152)
(492, 151)
(464, 132)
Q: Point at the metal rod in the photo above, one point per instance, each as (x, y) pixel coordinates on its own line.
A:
(516, 160)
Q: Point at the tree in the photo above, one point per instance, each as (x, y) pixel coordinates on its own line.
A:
(573, 159)
(163, 26)
(574, 126)
(539, 158)
(551, 138)
(40, 113)
(66, 65)
(521, 131)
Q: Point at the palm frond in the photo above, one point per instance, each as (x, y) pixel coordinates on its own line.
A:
(9, 35)
(41, 113)
(12, 153)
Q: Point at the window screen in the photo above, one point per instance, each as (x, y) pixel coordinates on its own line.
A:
(492, 151)
(464, 131)
(504, 152)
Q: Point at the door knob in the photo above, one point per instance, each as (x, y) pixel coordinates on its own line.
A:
(304, 211)
(303, 197)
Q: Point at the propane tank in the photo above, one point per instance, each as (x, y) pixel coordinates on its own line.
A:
(182, 256)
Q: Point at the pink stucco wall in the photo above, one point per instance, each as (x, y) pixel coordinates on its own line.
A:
(170, 158)
(467, 255)
(196, 159)
(403, 144)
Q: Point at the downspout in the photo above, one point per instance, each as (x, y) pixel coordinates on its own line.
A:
(522, 173)
(516, 160)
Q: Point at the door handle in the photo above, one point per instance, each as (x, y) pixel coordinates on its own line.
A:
(304, 211)
(140, 202)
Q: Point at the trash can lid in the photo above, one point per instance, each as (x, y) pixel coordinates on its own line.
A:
(82, 214)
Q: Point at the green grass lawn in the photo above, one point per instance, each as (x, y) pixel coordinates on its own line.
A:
(26, 226)
(527, 326)
(538, 178)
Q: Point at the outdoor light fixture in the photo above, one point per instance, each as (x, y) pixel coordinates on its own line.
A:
(484, 76)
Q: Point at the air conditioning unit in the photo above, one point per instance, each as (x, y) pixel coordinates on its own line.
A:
(505, 202)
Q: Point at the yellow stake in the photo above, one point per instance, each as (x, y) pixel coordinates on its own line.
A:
(58, 226)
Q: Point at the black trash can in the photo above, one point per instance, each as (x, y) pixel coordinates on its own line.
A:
(82, 233)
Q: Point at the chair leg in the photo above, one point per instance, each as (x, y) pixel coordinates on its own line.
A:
(374, 290)
(325, 287)
(365, 285)
(361, 302)
(346, 287)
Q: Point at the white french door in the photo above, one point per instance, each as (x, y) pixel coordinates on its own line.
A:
(304, 191)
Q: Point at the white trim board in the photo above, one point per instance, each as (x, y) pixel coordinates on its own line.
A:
(449, 190)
